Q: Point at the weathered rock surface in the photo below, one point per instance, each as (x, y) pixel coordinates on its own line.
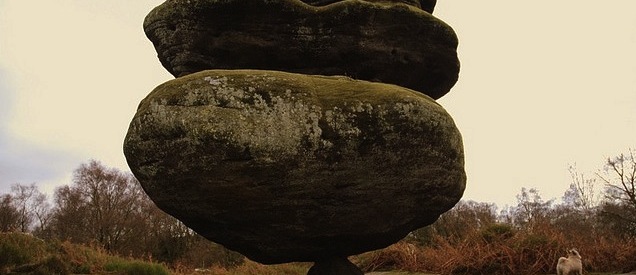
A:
(287, 167)
(376, 41)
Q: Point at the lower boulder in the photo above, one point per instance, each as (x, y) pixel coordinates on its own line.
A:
(286, 167)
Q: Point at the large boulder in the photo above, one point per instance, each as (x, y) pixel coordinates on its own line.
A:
(381, 41)
(286, 167)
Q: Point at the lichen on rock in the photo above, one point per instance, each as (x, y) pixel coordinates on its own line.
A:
(288, 167)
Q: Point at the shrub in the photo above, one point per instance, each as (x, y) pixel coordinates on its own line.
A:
(19, 249)
(81, 259)
(203, 253)
(402, 256)
(497, 232)
(12, 255)
(50, 265)
(250, 268)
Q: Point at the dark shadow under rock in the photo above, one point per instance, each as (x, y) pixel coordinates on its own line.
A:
(334, 266)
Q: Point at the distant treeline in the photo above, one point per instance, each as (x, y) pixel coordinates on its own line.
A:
(107, 208)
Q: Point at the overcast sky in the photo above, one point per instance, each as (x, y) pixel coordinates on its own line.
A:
(543, 85)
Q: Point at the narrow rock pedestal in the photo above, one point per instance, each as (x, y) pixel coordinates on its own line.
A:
(332, 266)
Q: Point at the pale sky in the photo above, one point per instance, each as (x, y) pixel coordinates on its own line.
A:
(543, 85)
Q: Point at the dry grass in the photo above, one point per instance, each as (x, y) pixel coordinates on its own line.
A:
(496, 249)
(522, 252)
(24, 254)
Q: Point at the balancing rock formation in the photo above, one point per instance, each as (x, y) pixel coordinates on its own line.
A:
(278, 140)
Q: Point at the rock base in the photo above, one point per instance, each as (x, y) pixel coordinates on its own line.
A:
(339, 266)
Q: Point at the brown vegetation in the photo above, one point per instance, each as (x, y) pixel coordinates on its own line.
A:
(22, 253)
(529, 238)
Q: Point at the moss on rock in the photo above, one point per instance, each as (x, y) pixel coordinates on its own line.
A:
(289, 167)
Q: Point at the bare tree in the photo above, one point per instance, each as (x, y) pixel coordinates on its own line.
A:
(42, 212)
(531, 210)
(32, 207)
(21, 195)
(103, 204)
(111, 196)
(581, 194)
(9, 215)
(70, 215)
(460, 222)
(619, 206)
(579, 207)
(620, 178)
(107, 207)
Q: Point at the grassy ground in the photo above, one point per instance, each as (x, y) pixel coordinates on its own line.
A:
(411, 273)
(24, 254)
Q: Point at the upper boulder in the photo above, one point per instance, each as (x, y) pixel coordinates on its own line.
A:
(383, 41)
